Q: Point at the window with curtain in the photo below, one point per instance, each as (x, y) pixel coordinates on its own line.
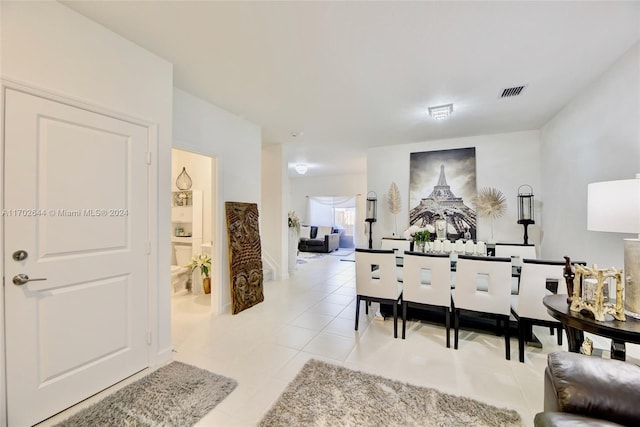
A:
(337, 211)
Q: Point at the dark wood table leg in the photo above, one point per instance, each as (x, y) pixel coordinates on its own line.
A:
(575, 337)
(618, 350)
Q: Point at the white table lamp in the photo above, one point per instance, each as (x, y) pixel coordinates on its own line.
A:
(614, 206)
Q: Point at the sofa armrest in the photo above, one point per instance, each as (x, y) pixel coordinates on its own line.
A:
(599, 388)
(332, 241)
(564, 419)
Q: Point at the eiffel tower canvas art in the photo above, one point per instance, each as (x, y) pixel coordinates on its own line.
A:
(443, 185)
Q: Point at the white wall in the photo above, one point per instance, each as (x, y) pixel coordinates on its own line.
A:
(46, 46)
(596, 137)
(503, 161)
(335, 185)
(273, 224)
(204, 128)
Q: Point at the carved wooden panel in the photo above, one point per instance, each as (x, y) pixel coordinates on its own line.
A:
(245, 257)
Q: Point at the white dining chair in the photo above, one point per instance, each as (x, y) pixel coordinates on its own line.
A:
(538, 278)
(399, 245)
(483, 285)
(427, 284)
(521, 251)
(377, 281)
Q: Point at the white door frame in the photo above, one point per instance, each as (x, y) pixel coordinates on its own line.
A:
(217, 232)
(152, 291)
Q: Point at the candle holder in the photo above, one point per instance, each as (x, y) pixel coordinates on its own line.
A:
(525, 209)
(372, 201)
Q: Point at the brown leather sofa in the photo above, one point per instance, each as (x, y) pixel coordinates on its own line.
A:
(584, 390)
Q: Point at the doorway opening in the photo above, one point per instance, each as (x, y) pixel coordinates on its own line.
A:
(193, 238)
(337, 211)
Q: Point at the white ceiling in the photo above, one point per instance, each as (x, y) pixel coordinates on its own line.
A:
(353, 75)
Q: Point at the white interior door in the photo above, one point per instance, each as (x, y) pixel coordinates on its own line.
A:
(76, 203)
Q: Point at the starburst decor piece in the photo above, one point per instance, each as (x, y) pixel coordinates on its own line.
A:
(490, 202)
(393, 198)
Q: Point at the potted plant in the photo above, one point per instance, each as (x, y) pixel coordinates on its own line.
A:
(203, 262)
(421, 237)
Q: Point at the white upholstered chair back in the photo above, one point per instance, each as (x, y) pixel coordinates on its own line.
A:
(427, 279)
(533, 278)
(490, 273)
(384, 283)
(400, 245)
(505, 250)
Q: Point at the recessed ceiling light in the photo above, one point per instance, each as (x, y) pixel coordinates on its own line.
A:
(441, 112)
(301, 168)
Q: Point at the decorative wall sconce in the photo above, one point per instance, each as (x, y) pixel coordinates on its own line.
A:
(183, 182)
(372, 201)
(525, 209)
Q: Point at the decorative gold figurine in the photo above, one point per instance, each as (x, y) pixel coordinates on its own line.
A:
(592, 300)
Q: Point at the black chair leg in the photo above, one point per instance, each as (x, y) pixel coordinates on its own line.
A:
(447, 322)
(456, 324)
(367, 303)
(559, 335)
(357, 310)
(395, 319)
(551, 330)
(404, 318)
(507, 340)
(521, 338)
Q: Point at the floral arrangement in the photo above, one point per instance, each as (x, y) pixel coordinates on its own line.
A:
(419, 234)
(422, 236)
(294, 221)
(203, 262)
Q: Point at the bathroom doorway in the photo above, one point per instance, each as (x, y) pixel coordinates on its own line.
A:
(193, 236)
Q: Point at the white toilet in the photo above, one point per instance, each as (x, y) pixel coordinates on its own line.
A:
(179, 273)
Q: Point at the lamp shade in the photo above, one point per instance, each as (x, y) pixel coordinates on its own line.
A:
(614, 206)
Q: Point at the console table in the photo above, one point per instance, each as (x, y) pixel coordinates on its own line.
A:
(575, 324)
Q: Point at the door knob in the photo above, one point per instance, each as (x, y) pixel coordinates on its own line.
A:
(20, 255)
(21, 279)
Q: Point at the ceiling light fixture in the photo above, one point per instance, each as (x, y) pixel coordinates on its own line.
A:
(301, 168)
(441, 112)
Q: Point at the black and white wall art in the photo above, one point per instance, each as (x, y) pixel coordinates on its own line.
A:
(442, 185)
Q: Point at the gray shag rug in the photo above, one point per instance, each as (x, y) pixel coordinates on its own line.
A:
(174, 395)
(323, 394)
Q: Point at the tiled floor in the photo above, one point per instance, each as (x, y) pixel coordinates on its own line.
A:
(312, 315)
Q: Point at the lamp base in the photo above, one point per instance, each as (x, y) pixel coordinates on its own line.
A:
(632, 277)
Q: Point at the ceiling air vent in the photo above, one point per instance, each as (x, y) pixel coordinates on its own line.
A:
(512, 91)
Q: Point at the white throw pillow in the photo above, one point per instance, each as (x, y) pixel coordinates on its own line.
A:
(305, 232)
(322, 231)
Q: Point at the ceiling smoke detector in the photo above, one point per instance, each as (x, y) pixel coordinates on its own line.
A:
(512, 91)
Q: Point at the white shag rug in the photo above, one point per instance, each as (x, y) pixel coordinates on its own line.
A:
(323, 394)
(174, 395)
